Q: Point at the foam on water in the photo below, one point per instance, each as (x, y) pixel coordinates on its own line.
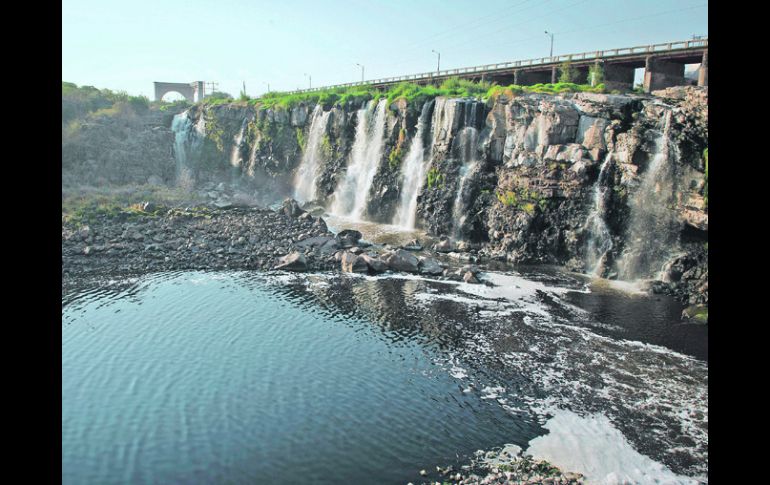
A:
(593, 446)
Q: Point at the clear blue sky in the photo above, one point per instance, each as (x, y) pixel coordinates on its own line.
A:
(129, 44)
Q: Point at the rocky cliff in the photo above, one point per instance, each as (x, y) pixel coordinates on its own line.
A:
(604, 184)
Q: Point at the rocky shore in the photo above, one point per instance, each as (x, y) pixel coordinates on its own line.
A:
(152, 238)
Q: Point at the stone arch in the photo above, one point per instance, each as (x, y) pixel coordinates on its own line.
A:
(188, 90)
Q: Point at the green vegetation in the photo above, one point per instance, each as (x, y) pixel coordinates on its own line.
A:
(412, 93)
(301, 139)
(397, 154)
(522, 199)
(435, 178)
(82, 205)
(181, 104)
(595, 74)
(77, 102)
(567, 73)
(326, 147)
(218, 97)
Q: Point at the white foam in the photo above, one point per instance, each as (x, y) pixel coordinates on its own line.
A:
(594, 447)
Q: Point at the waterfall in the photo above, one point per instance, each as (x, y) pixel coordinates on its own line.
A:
(599, 240)
(413, 170)
(305, 180)
(353, 190)
(235, 155)
(187, 140)
(653, 229)
(467, 144)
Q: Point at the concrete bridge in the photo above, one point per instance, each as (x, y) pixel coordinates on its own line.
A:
(192, 92)
(663, 67)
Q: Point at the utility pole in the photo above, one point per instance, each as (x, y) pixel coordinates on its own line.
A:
(310, 81)
(268, 87)
(362, 71)
(548, 33)
(438, 66)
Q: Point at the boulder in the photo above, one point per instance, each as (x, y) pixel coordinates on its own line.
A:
(348, 238)
(413, 245)
(324, 244)
(374, 263)
(294, 261)
(401, 260)
(352, 263)
(291, 208)
(444, 245)
(430, 266)
(469, 277)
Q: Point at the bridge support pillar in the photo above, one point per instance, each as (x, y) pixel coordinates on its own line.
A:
(553, 75)
(703, 73)
(660, 74)
(617, 76)
(516, 79)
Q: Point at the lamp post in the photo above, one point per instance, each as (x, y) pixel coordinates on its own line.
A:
(268, 87)
(550, 34)
(309, 81)
(438, 65)
(362, 71)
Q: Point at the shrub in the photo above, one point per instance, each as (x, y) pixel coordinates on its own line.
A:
(568, 73)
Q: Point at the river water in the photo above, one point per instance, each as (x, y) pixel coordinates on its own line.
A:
(253, 377)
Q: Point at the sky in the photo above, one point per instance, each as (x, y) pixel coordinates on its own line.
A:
(291, 44)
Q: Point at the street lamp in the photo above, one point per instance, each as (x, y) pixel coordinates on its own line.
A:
(438, 66)
(362, 71)
(548, 33)
(309, 80)
(268, 87)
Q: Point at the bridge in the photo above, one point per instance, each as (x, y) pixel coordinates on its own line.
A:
(663, 67)
(188, 90)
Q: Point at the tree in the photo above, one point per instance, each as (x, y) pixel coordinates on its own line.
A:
(595, 74)
(568, 73)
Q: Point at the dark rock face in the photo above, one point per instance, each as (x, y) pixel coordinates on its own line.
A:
(401, 260)
(128, 149)
(515, 178)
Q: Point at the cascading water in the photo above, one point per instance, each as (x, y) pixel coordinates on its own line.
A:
(187, 140)
(653, 228)
(307, 173)
(413, 170)
(235, 155)
(599, 239)
(353, 191)
(467, 143)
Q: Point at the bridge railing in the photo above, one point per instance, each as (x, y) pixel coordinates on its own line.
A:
(581, 56)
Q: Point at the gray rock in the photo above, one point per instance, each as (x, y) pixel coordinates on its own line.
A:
(352, 263)
(469, 277)
(444, 245)
(291, 208)
(375, 264)
(348, 238)
(292, 262)
(430, 266)
(413, 245)
(401, 260)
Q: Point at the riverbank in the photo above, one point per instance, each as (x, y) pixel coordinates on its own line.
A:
(109, 241)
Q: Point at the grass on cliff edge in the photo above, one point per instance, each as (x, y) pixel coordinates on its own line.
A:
(79, 205)
(411, 92)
